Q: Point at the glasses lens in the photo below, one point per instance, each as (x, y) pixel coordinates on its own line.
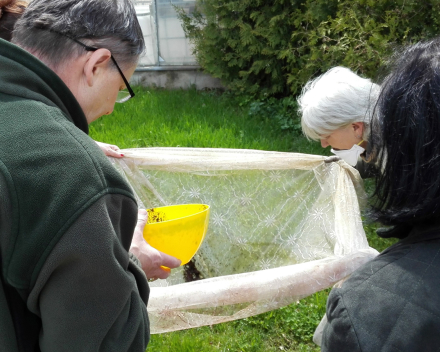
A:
(123, 96)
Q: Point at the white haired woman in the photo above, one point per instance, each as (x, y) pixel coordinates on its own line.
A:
(336, 108)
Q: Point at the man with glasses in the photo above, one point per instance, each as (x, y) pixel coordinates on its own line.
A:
(68, 221)
(123, 95)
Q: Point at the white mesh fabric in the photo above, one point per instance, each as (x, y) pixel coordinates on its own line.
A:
(282, 226)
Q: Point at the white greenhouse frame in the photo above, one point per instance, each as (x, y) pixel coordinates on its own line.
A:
(166, 44)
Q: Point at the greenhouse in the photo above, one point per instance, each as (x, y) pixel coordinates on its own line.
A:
(164, 37)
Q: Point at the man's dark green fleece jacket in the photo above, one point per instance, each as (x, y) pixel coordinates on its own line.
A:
(66, 223)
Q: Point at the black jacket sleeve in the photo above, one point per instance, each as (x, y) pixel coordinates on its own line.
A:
(339, 334)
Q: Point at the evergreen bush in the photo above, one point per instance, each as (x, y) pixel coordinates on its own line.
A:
(268, 49)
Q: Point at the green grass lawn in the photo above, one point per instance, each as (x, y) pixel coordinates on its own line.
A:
(187, 118)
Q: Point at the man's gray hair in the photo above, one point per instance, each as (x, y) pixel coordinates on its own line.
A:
(336, 99)
(45, 26)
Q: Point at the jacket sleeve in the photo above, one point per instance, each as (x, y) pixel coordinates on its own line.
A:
(89, 294)
(339, 334)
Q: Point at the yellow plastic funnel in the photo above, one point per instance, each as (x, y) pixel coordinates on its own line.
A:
(177, 230)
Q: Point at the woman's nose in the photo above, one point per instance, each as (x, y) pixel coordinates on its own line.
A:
(324, 143)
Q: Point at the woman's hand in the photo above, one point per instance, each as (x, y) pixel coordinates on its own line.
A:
(155, 264)
(110, 150)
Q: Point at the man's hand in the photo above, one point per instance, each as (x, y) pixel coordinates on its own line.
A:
(155, 264)
(110, 149)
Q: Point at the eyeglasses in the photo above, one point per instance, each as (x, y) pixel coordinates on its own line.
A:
(123, 95)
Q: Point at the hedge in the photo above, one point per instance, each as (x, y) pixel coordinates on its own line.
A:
(267, 49)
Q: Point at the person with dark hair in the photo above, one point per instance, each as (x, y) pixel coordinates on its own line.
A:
(10, 12)
(393, 302)
(74, 264)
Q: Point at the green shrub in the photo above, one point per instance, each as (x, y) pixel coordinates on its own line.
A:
(281, 111)
(271, 48)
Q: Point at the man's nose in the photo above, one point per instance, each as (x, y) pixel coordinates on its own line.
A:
(324, 143)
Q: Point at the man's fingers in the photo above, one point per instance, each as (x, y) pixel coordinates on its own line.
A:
(168, 270)
(142, 217)
(161, 272)
(169, 261)
(113, 153)
(142, 213)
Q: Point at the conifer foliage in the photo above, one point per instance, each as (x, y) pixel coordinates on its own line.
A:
(266, 48)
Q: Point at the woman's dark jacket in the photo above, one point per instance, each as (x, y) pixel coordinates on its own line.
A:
(393, 302)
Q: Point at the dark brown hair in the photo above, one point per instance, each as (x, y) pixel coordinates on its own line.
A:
(10, 12)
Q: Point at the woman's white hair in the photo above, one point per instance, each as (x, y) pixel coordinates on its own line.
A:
(336, 99)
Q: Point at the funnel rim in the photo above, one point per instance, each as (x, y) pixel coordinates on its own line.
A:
(183, 217)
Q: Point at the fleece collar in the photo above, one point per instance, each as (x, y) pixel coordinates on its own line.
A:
(23, 75)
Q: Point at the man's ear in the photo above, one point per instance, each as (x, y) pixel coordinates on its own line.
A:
(358, 128)
(96, 65)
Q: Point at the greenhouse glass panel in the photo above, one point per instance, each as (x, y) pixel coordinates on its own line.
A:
(166, 44)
